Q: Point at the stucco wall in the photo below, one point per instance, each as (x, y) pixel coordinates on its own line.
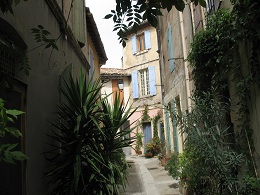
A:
(42, 85)
(131, 60)
(177, 82)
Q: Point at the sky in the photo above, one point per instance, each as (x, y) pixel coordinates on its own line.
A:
(100, 8)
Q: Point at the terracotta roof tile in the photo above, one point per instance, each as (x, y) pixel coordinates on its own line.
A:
(113, 72)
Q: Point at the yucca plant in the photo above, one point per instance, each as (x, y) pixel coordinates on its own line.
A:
(87, 156)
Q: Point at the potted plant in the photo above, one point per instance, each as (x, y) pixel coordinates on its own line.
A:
(139, 142)
(162, 155)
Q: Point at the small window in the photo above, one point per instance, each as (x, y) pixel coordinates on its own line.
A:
(140, 42)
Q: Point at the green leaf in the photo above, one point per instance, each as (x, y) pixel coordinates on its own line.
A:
(18, 155)
(202, 3)
(180, 5)
(14, 113)
(108, 16)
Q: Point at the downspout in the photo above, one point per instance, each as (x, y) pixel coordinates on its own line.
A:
(186, 72)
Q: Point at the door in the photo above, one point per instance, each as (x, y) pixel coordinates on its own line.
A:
(147, 132)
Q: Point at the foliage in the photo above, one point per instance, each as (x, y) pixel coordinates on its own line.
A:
(173, 165)
(7, 119)
(229, 49)
(211, 161)
(130, 14)
(145, 115)
(87, 157)
(7, 5)
(139, 140)
(162, 153)
(153, 146)
(156, 119)
(211, 53)
(41, 36)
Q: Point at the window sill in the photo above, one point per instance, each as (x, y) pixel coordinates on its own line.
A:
(145, 96)
(142, 52)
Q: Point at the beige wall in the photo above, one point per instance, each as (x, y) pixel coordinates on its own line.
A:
(147, 56)
(143, 60)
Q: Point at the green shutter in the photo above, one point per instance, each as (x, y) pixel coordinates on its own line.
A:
(168, 135)
(79, 21)
(174, 125)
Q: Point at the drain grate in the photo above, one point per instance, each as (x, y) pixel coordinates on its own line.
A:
(152, 168)
(174, 185)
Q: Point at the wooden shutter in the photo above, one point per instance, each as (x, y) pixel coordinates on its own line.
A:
(79, 21)
(134, 46)
(91, 62)
(147, 39)
(152, 81)
(170, 49)
(135, 88)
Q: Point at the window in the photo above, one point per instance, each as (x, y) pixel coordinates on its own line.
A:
(143, 82)
(141, 42)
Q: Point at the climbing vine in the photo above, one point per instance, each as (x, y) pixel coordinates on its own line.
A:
(224, 57)
(156, 119)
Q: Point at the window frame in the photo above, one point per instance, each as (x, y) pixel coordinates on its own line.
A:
(140, 42)
(143, 79)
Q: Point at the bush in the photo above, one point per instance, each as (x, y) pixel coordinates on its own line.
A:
(154, 146)
(88, 157)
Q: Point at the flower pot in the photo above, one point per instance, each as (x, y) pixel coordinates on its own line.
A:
(139, 152)
(163, 161)
(148, 155)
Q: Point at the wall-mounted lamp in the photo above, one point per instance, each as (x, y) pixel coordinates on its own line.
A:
(120, 84)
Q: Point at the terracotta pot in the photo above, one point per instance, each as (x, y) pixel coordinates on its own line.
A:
(139, 152)
(148, 155)
(163, 161)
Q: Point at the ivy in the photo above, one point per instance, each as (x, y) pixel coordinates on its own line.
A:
(156, 119)
(228, 51)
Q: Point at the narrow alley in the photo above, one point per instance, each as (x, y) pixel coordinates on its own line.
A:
(148, 177)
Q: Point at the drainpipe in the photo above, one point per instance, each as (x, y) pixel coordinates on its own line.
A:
(186, 72)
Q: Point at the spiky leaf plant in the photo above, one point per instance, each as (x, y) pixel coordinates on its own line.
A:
(87, 157)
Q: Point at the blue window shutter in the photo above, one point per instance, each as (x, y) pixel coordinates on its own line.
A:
(135, 84)
(152, 81)
(134, 47)
(170, 49)
(147, 39)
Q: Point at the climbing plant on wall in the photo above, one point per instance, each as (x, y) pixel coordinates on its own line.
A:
(226, 54)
